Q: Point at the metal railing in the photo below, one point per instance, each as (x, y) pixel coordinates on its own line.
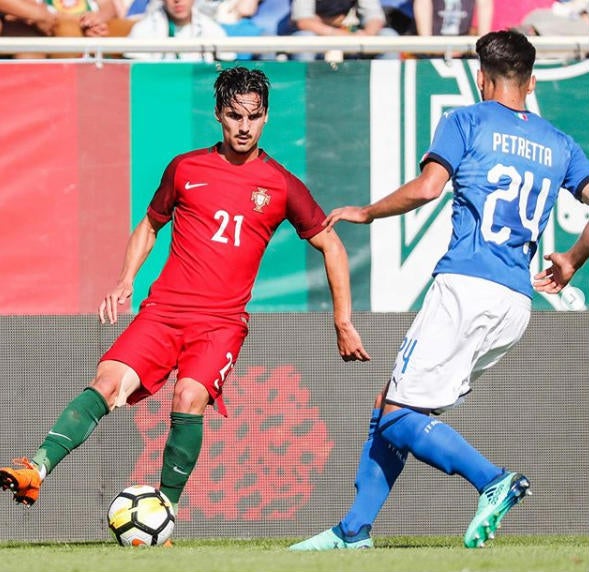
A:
(558, 47)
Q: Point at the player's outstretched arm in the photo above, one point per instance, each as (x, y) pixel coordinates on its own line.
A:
(335, 258)
(139, 246)
(416, 193)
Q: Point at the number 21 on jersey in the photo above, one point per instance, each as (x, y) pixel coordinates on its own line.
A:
(225, 220)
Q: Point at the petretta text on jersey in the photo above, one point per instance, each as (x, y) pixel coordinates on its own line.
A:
(522, 147)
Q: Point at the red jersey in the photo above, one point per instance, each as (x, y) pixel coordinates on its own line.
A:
(224, 216)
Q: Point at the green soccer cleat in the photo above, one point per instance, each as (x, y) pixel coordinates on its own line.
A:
(494, 503)
(334, 539)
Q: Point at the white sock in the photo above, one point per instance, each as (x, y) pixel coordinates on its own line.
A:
(42, 472)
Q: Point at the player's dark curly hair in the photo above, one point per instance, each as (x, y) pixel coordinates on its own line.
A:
(239, 81)
(508, 54)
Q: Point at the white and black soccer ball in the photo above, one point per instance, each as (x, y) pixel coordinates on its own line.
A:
(141, 516)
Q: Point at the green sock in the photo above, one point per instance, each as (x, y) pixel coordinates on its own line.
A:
(180, 454)
(72, 428)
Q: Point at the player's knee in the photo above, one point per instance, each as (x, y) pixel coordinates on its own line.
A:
(190, 396)
(108, 387)
(115, 382)
(402, 427)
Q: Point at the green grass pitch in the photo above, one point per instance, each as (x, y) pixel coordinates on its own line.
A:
(394, 554)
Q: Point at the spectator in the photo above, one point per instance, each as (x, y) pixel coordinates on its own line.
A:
(59, 18)
(177, 19)
(272, 17)
(563, 18)
(228, 11)
(399, 16)
(452, 17)
(91, 18)
(26, 18)
(338, 18)
(234, 16)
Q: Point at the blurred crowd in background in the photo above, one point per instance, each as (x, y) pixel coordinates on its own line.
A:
(158, 19)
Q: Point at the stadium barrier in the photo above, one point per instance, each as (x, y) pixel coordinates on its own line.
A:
(283, 462)
(565, 47)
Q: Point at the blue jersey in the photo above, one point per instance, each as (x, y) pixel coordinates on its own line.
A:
(507, 168)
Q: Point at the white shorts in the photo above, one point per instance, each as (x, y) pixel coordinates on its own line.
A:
(465, 326)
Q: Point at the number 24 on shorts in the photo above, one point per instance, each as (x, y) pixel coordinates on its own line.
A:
(405, 351)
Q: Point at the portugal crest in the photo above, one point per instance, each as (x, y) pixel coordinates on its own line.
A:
(260, 198)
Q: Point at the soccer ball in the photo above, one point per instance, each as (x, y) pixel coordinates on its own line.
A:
(141, 516)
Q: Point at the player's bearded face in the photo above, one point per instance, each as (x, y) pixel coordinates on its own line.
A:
(243, 122)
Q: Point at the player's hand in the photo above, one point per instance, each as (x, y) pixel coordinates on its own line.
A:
(351, 214)
(108, 308)
(349, 344)
(554, 278)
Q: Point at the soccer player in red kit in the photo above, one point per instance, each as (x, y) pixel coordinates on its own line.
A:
(225, 202)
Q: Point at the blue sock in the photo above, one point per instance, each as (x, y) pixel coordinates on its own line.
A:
(438, 445)
(379, 466)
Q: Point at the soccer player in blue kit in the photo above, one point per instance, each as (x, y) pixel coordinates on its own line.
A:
(507, 166)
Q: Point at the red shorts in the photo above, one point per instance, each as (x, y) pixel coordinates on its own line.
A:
(204, 348)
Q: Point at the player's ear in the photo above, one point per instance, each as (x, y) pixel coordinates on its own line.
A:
(266, 118)
(531, 84)
(480, 80)
(217, 115)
